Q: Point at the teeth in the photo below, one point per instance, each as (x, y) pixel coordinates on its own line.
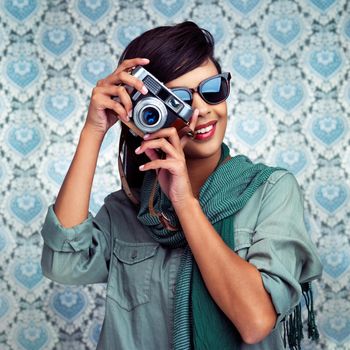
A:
(204, 130)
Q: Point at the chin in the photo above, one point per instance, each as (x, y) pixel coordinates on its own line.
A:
(202, 150)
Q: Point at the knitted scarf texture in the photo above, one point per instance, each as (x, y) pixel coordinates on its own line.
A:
(198, 321)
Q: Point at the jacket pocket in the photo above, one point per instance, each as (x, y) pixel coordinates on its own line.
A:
(129, 282)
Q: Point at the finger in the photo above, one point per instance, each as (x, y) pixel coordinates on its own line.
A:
(121, 96)
(126, 79)
(104, 102)
(130, 63)
(167, 133)
(117, 93)
(194, 118)
(152, 154)
(130, 80)
(193, 122)
(167, 164)
(157, 144)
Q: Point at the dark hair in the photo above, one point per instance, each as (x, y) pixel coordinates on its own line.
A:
(172, 51)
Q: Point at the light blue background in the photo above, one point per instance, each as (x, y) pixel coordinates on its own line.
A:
(289, 106)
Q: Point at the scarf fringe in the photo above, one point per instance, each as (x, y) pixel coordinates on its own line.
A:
(293, 324)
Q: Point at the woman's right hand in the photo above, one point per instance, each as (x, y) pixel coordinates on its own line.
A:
(103, 110)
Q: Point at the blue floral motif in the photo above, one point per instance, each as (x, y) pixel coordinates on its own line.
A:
(331, 196)
(325, 62)
(57, 40)
(3, 241)
(290, 105)
(60, 105)
(95, 331)
(284, 30)
(248, 64)
(24, 139)
(108, 140)
(28, 273)
(336, 325)
(96, 200)
(26, 207)
(328, 129)
(293, 160)
(126, 33)
(69, 304)
(347, 28)
(94, 69)
(245, 6)
(251, 130)
(33, 336)
(57, 169)
(323, 5)
(336, 262)
(4, 306)
(23, 71)
(288, 95)
(21, 9)
(168, 8)
(2, 172)
(214, 27)
(93, 9)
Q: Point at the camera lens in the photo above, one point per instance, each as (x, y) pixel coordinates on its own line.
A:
(150, 116)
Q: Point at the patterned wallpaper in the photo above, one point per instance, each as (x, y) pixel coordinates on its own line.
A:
(290, 106)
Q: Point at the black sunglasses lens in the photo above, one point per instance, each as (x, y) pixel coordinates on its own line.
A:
(184, 95)
(215, 90)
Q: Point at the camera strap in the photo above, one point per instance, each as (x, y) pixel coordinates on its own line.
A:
(124, 181)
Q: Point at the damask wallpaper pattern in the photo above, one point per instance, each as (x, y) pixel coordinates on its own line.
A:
(289, 106)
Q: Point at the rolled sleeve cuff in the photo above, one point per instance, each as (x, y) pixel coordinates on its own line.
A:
(62, 239)
(280, 296)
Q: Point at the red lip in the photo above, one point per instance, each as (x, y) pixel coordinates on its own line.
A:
(208, 135)
(198, 127)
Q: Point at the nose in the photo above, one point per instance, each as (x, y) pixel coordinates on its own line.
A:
(200, 104)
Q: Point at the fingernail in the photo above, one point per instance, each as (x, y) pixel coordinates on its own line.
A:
(137, 150)
(145, 59)
(141, 167)
(146, 136)
(144, 90)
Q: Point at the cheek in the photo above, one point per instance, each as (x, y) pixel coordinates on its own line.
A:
(221, 112)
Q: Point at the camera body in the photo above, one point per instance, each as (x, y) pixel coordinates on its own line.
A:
(159, 108)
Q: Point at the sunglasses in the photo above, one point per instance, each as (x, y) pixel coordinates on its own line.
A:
(213, 90)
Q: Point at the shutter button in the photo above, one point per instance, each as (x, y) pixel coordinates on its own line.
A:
(134, 255)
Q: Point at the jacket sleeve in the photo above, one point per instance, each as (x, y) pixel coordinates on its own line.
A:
(281, 248)
(79, 254)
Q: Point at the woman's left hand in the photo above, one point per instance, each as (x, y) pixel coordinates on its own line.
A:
(171, 168)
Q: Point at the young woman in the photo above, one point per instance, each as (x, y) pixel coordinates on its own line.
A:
(215, 259)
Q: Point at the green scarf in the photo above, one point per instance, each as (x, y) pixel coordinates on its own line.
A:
(198, 321)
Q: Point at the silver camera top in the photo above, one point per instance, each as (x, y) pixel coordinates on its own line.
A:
(158, 89)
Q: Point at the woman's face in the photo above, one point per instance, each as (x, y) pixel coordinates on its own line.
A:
(207, 142)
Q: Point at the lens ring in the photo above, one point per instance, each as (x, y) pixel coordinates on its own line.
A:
(155, 105)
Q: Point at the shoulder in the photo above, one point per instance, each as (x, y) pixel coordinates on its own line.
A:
(277, 175)
(281, 185)
(277, 196)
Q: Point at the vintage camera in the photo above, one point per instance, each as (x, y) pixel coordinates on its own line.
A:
(160, 108)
